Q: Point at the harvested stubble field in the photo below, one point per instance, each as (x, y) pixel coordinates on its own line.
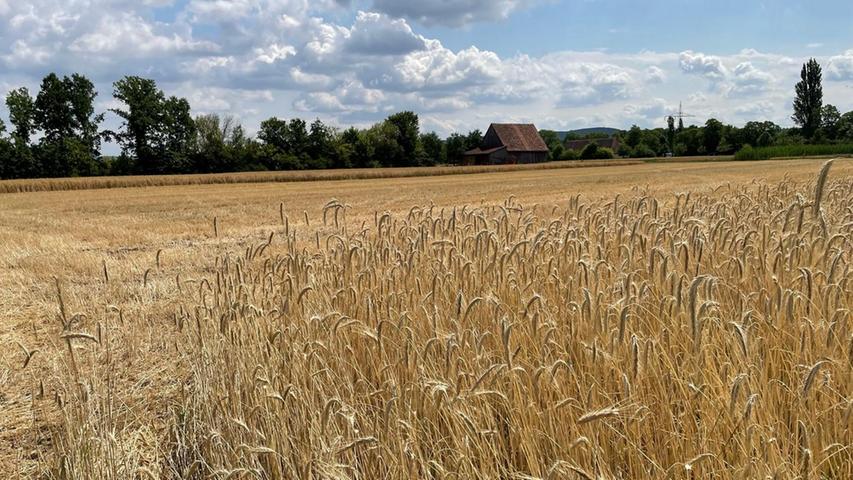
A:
(644, 321)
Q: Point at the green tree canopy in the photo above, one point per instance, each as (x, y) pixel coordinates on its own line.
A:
(634, 136)
(407, 132)
(320, 143)
(21, 113)
(274, 132)
(829, 119)
(156, 131)
(64, 113)
(757, 133)
(433, 148)
(809, 98)
(712, 135)
(142, 117)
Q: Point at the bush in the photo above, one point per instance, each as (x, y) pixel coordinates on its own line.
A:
(593, 152)
(604, 154)
(569, 154)
(783, 151)
(589, 152)
(746, 153)
(556, 152)
(643, 151)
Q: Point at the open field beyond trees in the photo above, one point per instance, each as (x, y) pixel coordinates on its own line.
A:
(681, 320)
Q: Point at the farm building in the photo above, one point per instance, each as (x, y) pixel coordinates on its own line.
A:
(508, 143)
(610, 142)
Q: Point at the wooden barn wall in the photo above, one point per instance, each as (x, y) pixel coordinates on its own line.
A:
(491, 139)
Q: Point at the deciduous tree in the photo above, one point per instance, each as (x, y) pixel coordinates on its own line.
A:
(21, 113)
(711, 135)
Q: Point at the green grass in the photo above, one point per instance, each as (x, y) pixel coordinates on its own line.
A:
(793, 151)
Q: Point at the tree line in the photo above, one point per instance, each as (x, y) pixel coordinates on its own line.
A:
(816, 124)
(57, 133)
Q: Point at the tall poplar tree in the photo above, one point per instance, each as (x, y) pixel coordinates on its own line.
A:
(809, 100)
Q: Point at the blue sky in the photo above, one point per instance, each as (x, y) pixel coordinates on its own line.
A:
(460, 64)
(722, 26)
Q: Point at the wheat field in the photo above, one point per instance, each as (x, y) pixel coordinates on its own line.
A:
(292, 176)
(638, 321)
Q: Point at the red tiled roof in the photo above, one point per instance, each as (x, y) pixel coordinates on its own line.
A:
(520, 137)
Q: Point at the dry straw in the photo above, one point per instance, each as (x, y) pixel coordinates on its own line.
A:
(475, 341)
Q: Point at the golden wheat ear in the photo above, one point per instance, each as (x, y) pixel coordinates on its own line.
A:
(820, 185)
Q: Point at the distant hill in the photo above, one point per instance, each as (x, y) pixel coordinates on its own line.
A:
(583, 132)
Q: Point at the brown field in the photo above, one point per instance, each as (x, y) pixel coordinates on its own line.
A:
(683, 320)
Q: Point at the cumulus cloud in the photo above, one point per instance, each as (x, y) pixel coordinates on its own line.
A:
(95, 37)
(697, 98)
(273, 53)
(454, 13)
(708, 66)
(746, 79)
(655, 74)
(437, 67)
(840, 67)
(310, 80)
(442, 104)
(758, 109)
(129, 34)
(348, 97)
(21, 51)
(650, 112)
(376, 34)
(591, 84)
(259, 58)
(220, 10)
(568, 80)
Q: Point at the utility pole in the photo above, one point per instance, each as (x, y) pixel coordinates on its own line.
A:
(680, 115)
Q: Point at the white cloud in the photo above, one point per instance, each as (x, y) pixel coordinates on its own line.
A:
(760, 109)
(220, 10)
(223, 100)
(697, 97)
(746, 79)
(130, 35)
(273, 53)
(259, 58)
(454, 13)
(649, 113)
(708, 66)
(206, 64)
(310, 80)
(438, 67)
(349, 97)
(655, 74)
(840, 67)
(376, 34)
(591, 84)
(23, 52)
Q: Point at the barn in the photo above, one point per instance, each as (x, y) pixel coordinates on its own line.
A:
(507, 143)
